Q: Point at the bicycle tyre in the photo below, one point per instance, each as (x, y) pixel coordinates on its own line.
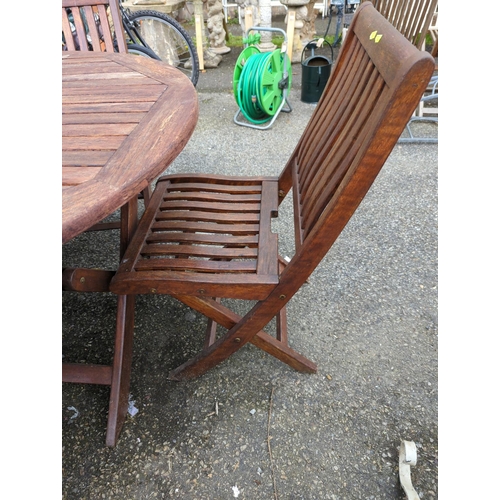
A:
(140, 50)
(168, 40)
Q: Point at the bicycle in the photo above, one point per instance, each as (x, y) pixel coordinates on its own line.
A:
(159, 36)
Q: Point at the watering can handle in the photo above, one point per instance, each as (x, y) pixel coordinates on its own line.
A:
(314, 45)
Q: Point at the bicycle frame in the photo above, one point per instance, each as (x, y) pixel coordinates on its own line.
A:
(130, 29)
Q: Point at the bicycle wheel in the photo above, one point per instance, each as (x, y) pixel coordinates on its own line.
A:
(139, 50)
(168, 40)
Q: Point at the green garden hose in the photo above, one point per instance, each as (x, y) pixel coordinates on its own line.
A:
(258, 83)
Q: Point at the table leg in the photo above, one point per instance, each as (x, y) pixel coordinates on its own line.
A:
(124, 337)
(122, 367)
(129, 218)
(118, 374)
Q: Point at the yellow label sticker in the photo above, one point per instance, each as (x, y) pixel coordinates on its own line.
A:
(377, 37)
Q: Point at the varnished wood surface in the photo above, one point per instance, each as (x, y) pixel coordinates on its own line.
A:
(124, 120)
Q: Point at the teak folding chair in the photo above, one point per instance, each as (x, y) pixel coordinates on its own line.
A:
(205, 238)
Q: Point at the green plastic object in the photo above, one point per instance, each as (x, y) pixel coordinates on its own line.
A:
(240, 63)
(252, 39)
(271, 94)
(259, 83)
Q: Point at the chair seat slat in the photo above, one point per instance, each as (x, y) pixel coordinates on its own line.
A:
(214, 206)
(213, 197)
(202, 266)
(205, 227)
(208, 251)
(208, 216)
(202, 238)
(216, 187)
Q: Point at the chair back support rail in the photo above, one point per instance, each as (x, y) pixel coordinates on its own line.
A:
(377, 82)
(102, 33)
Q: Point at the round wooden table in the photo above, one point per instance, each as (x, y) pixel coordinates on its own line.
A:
(124, 120)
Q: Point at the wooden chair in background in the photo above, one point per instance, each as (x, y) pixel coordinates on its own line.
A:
(206, 238)
(94, 30)
(414, 19)
(431, 93)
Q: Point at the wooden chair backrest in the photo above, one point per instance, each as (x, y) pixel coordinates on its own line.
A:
(375, 85)
(411, 18)
(102, 33)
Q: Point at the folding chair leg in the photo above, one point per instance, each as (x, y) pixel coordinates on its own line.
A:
(240, 331)
(124, 337)
(282, 326)
(284, 353)
(211, 330)
(122, 362)
(146, 195)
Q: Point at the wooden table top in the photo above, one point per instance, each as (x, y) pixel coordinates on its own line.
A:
(125, 118)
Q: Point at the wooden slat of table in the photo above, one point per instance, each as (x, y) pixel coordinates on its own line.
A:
(87, 72)
(106, 107)
(97, 118)
(108, 143)
(117, 75)
(78, 175)
(130, 94)
(99, 129)
(82, 159)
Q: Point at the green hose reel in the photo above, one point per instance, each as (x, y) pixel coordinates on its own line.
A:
(261, 82)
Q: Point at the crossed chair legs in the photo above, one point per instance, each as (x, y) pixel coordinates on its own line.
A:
(240, 331)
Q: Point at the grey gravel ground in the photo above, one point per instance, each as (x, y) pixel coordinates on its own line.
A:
(252, 426)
